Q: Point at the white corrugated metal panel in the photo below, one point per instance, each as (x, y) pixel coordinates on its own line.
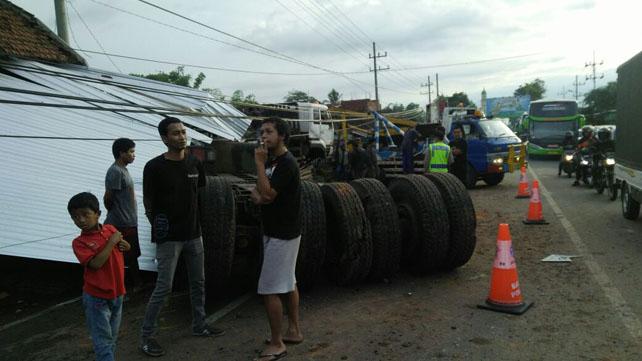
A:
(40, 175)
(145, 92)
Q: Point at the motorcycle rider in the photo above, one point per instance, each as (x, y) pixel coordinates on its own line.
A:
(567, 144)
(585, 143)
(604, 143)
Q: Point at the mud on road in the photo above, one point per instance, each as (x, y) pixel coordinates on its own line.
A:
(405, 318)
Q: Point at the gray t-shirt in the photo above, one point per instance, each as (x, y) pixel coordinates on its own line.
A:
(123, 211)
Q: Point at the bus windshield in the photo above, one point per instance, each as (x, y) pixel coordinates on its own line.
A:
(552, 129)
(495, 129)
(553, 109)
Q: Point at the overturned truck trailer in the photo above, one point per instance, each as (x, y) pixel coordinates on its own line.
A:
(366, 229)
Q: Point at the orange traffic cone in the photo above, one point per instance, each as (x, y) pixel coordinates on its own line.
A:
(535, 207)
(522, 189)
(505, 294)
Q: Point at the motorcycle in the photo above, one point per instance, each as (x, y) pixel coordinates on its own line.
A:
(584, 163)
(566, 163)
(604, 176)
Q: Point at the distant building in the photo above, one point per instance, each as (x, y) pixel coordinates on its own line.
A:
(359, 105)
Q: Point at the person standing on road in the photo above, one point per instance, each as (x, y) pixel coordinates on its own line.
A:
(438, 154)
(358, 160)
(278, 191)
(459, 149)
(407, 150)
(120, 201)
(99, 250)
(170, 195)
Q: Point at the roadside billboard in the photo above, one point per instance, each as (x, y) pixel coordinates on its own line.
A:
(508, 107)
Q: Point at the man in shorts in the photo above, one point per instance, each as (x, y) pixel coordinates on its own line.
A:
(278, 191)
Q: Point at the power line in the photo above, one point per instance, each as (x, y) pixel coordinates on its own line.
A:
(318, 32)
(188, 31)
(248, 42)
(93, 36)
(283, 58)
(366, 40)
(71, 30)
(350, 34)
(233, 70)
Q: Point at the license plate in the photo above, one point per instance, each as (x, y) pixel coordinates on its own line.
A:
(553, 146)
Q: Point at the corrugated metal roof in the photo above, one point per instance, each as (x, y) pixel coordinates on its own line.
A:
(40, 175)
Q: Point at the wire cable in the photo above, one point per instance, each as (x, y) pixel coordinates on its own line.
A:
(93, 36)
(233, 70)
(354, 81)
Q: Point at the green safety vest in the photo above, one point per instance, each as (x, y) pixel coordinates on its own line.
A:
(439, 152)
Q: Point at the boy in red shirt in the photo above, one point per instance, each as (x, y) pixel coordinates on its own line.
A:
(99, 249)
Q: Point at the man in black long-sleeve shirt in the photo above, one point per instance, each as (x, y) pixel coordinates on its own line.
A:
(170, 196)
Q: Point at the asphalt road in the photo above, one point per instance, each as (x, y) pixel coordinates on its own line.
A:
(613, 241)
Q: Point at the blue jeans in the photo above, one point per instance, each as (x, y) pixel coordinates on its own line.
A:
(167, 254)
(103, 320)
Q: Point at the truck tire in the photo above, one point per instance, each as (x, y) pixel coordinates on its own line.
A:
(471, 177)
(384, 222)
(311, 256)
(217, 210)
(461, 217)
(423, 221)
(630, 207)
(493, 179)
(349, 247)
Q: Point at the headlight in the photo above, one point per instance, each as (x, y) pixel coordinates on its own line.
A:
(517, 159)
(584, 162)
(610, 161)
(498, 161)
(568, 157)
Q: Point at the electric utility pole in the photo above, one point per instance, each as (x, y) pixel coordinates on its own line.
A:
(437, 85)
(374, 57)
(577, 84)
(429, 92)
(593, 65)
(61, 20)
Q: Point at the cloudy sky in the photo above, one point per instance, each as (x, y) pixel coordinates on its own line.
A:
(492, 44)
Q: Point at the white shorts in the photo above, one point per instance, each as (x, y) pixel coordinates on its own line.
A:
(279, 265)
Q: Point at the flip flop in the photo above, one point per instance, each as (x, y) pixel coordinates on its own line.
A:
(267, 341)
(272, 356)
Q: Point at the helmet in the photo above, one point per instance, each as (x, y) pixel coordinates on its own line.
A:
(604, 134)
(569, 134)
(586, 130)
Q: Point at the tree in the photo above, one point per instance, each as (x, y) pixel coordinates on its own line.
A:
(176, 76)
(411, 106)
(238, 97)
(216, 93)
(393, 108)
(334, 97)
(460, 98)
(299, 96)
(536, 89)
(600, 100)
